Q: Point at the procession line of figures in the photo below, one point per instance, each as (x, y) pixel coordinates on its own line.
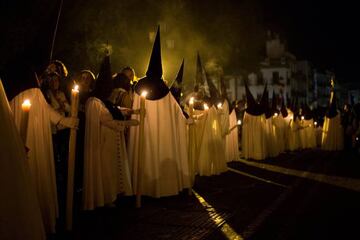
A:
(127, 144)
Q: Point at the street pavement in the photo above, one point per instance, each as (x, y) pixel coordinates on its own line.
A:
(310, 194)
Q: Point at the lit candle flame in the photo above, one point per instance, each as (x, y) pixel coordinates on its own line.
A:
(191, 101)
(206, 107)
(26, 105)
(219, 105)
(239, 122)
(357, 139)
(302, 117)
(276, 114)
(315, 123)
(144, 94)
(76, 88)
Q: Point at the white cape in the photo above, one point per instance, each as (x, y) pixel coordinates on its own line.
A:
(232, 139)
(253, 137)
(40, 156)
(165, 163)
(20, 216)
(106, 171)
(333, 134)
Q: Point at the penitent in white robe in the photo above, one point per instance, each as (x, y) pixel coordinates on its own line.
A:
(165, 163)
(308, 130)
(106, 168)
(232, 140)
(20, 216)
(253, 137)
(40, 156)
(211, 158)
(280, 136)
(272, 144)
(333, 134)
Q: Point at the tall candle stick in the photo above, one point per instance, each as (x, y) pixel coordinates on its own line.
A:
(191, 107)
(71, 159)
(25, 106)
(141, 149)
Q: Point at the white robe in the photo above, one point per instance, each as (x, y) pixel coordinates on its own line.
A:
(211, 158)
(280, 134)
(20, 216)
(254, 137)
(272, 145)
(293, 133)
(309, 132)
(165, 163)
(333, 134)
(232, 140)
(106, 169)
(40, 156)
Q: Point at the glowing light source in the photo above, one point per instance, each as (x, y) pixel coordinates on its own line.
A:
(206, 107)
(315, 123)
(26, 105)
(191, 101)
(239, 122)
(76, 88)
(219, 106)
(276, 114)
(144, 94)
(302, 117)
(357, 138)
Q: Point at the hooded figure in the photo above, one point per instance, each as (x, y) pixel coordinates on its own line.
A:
(21, 83)
(165, 159)
(279, 124)
(153, 82)
(20, 215)
(333, 134)
(176, 87)
(106, 167)
(307, 124)
(253, 130)
(272, 145)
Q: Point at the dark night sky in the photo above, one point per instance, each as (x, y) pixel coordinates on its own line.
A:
(324, 33)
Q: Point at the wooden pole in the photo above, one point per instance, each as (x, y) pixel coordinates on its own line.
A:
(71, 159)
(141, 150)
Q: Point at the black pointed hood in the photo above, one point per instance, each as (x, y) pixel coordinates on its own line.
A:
(104, 83)
(252, 108)
(264, 103)
(153, 82)
(199, 76)
(332, 110)
(308, 114)
(214, 92)
(283, 110)
(18, 76)
(177, 84)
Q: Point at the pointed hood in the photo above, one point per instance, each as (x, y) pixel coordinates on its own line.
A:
(153, 82)
(214, 92)
(252, 108)
(17, 76)
(283, 110)
(332, 110)
(264, 103)
(104, 83)
(177, 84)
(199, 77)
(307, 112)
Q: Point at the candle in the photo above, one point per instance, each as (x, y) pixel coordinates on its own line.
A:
(302, 117)
(191, 107)
(219, 106)
(71, 158)
(276, 114)
(26, 105)
(206, 107)
(315, 123)
(141, 149)
(239, 122)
